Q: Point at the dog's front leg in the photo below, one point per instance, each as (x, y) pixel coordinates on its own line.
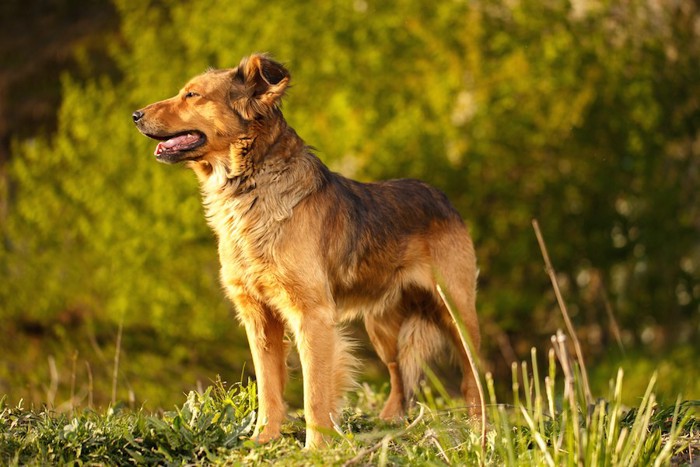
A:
(265, 335)
(316, 338)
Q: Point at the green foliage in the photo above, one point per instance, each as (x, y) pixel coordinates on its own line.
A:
(584, 115)
(97, 231)
(206, 424)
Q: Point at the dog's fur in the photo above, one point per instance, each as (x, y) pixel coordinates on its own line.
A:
(305, 249)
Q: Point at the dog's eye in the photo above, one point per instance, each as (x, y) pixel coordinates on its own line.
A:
(191, 94)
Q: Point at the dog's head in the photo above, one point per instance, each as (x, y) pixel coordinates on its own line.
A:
(214, 110)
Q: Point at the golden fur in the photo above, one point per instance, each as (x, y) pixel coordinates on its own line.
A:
(305, 249)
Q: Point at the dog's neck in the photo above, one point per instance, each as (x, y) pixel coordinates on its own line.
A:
(267, 146)
(274, 163)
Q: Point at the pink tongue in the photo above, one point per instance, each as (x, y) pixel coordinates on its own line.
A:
(182, 140)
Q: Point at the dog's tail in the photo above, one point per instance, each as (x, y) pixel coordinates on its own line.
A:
(346, 366)
(420, 341)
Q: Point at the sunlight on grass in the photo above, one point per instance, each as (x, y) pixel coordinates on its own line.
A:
(544, 425)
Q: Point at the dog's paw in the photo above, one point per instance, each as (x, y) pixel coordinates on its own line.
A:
(265, 437)
(393, 410)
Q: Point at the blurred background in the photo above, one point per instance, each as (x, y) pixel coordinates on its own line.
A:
(582, 114)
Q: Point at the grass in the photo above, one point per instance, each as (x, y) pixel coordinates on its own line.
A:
(544, 425)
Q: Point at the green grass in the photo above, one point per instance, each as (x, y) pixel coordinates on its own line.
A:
(545, 424)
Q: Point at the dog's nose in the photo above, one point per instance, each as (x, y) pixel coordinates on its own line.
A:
(138, 115)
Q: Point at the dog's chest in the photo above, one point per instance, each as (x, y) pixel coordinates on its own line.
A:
(251, 223)
(246, 235)
(247, 231)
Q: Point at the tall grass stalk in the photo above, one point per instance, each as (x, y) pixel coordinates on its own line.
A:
(586, 388)
(117, 352)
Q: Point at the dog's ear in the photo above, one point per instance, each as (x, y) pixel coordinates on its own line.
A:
(264, 82)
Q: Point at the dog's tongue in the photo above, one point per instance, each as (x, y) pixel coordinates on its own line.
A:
(176, 142)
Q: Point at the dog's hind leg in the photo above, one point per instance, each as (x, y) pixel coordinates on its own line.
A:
(463, 296)
(383, 332)
(454, 267)
(465, 307)
(468, 387)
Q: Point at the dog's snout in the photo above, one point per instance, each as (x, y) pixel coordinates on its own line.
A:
(138, 115)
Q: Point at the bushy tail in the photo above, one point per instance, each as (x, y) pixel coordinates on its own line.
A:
(345, 368)
(420, 341)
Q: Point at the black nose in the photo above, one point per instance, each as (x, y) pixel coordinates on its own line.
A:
(138, 115)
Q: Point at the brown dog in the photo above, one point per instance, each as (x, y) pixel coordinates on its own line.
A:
(306, 249)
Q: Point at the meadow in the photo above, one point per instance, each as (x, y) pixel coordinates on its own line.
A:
(546, 422)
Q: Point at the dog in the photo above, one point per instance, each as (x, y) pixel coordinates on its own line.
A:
(305, 249)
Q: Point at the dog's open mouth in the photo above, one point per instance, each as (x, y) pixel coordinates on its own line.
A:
(174, 148)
